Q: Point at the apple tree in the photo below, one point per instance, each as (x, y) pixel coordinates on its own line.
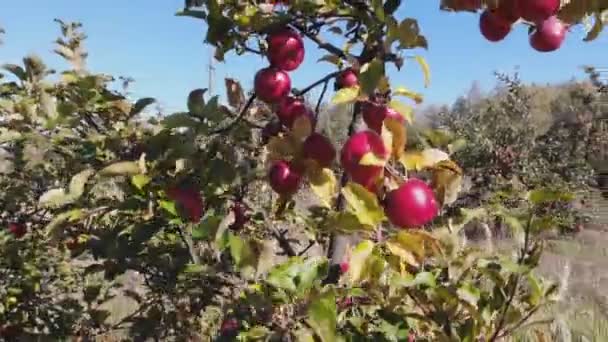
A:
(194, 205)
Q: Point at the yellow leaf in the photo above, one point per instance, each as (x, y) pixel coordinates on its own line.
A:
(405, 110)
(399, 137)
(402, 253)
(413, 246)
(432, 156)
(387, 139)
(447, 181)
(345, 95)
(357, 263)
(425, 70)
(323, 184)
(412, 160)
(280, 148)
(371, 159)
(363, 204)
(402, 91)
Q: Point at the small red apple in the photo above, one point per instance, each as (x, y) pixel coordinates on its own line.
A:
(239, 209)
(347, 78)
(190, 200)
(229, 326)
(508, 10)
(271, 84)
(17, 229)
(353, 151)
(290, 108)
(411, 205)
(344, 267)
(549, 35)
(493, 27)
(285, 49)
(537, 10)
(284, 178)
(319, 148)
(374, 115)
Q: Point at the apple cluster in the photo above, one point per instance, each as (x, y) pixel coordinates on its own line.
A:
(549, 31)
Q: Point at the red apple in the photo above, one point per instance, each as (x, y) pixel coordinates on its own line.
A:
(374, 115)
(344, 267)
(285, 49)
(290, 108)
(239, 209)
(284, 178)
(353, 151)
(229, 326)
(493, 27)
(509, 10)
(190, 200)
(319, 148)
(537, 10)
(411, 205)
(347, 78)
(549, 35)
(271, 84)
(17, 229)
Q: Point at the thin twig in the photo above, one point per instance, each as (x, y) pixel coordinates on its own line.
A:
(318, 107)
(322, 44)
(238, 119)
(189, 243)
(310, 244)
(283, 242)
(315, 84)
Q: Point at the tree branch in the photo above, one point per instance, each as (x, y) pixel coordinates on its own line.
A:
(322, 44)
(238, 119)
(318, 107)
(316, 84)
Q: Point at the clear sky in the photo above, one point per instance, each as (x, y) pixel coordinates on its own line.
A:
(166, 55)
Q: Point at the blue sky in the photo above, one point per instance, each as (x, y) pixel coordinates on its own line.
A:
(166, 55)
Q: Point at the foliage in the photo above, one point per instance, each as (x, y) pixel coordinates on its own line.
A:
(121, 206)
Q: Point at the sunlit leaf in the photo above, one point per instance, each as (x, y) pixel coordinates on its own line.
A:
(54, 198)
(78, 183)
(121, 168)
(323, 183)
(447, 181)
(403, 109)
(345, 95)
(363, 204)
(402, 91)
(140, 181)
(358, 261)
(371, 159)
(399, 137)
(545, 195)
(322, 316)
(370, 74)
(425, 70)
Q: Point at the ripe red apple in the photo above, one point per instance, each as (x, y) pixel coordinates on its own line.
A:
(411, 205)
(344, 267)
(549, 35)
(189, 199)
(537, 10)
(239, 209)
(229, 326)
(353, 151)
(271, 84)
(17, 229)
(290, 108)
(284, 178)
(285, 49)
(493, 27)
(374, 115)
(347, 78)
(319, 148)
(508, 10)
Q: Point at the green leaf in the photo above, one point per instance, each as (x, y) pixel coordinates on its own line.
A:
(242, 252)
(256, 333)
(7, 135)
(536, 290)
(59, 220)
(378, 9)
(179, 120)
(207, 227)
(363, 204)
(322, 316)
(140, 181)
(545, 195)
(346, 95)
(323, 184)
(370, 75)
(425, 278)
(169, 206)
(333, 59)
(425, 70)
(358, 261)
(195, 268)
(196, 102)
(54, 198)
(121, 168)
(140, 105)
(78, 183)
(469, 294)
